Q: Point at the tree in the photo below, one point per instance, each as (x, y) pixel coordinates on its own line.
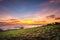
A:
(1, 30)
(21, 27)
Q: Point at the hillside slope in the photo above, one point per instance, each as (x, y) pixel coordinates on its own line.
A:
(47, 32)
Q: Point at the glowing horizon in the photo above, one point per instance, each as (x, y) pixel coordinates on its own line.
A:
(29, 12)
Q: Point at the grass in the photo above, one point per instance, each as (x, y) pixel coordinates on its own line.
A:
(50, 32)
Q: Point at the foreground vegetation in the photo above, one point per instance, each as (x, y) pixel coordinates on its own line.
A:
(46, 32)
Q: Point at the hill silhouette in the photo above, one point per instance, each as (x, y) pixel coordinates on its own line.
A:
(47, 32)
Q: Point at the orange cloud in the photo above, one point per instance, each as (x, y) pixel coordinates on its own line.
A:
(58, 18)
(38, 17)
(50, 2)
(1, 0)
(55, 1)
(51, 16)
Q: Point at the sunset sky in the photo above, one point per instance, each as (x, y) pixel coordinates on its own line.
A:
(30, 11)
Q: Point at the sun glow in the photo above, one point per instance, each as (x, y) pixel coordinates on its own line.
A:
(30, 21)
(27, 21)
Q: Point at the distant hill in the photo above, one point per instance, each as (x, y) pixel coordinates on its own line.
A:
(46, 32)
